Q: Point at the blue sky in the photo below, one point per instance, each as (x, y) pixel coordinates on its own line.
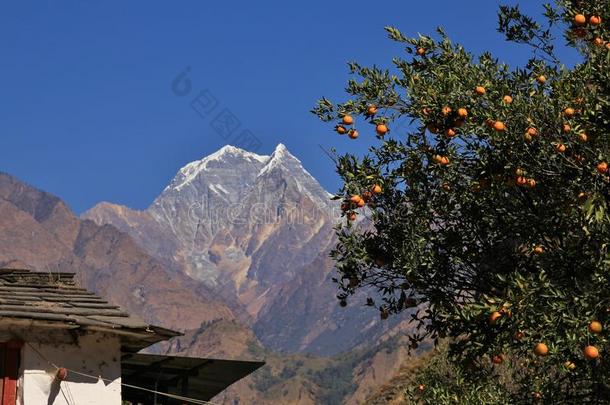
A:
(88, 111)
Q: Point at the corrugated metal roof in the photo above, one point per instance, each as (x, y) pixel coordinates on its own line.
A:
(55, 297)
(192, 377)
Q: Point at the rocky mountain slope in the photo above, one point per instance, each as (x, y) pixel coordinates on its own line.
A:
(303, 379)
(38, 231)
(257, 231)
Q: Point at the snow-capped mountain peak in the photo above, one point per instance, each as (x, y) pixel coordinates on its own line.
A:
(246, 225)
(281, 156)
(229, 175)
(280, 149)
(192, 170)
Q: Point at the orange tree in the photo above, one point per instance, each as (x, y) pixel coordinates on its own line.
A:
(489, 213)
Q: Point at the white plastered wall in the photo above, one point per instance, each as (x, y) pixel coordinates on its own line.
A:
(93, 354)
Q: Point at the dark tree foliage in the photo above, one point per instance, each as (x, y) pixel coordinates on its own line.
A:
(489, 213)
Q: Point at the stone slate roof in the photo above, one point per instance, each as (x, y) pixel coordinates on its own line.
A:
(55, 298)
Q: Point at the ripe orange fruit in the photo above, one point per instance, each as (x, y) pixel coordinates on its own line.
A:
(507, 99)
(493, 317)
(371, 110)
(541, 79)
(531, 183)
(537, 396)
(532, 131)
(341, 129)
(602, 167)
(381, 129)
(580, 19)
(462, 112)
(566, 128)
(355, 198)
(480, 90)
(446, 111)
(591, 352)
(595, 327)
(582, 137)
(569, 112)
(541, 349)
(499, 126)
(497, 359)
(446, 187)
(376, 189)
(560, 147)
(421, 51)
(521, 181)
(444, 160)
(518, 335)
(437, 158)
(595, 20)
(597, 41)
(361, 203)
(353, 134)
(421, 387)
(348, 120)
(425, 111)
(450, 132)
(538, 250)
(352, 216)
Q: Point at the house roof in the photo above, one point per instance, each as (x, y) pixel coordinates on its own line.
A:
(192, 377)
(54, 298)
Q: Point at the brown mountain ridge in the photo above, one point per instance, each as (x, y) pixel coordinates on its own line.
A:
(38, 231)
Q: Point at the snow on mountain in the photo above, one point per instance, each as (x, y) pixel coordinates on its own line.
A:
(193, 169)
(277, 158)
(281, 159)
(255, 229)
